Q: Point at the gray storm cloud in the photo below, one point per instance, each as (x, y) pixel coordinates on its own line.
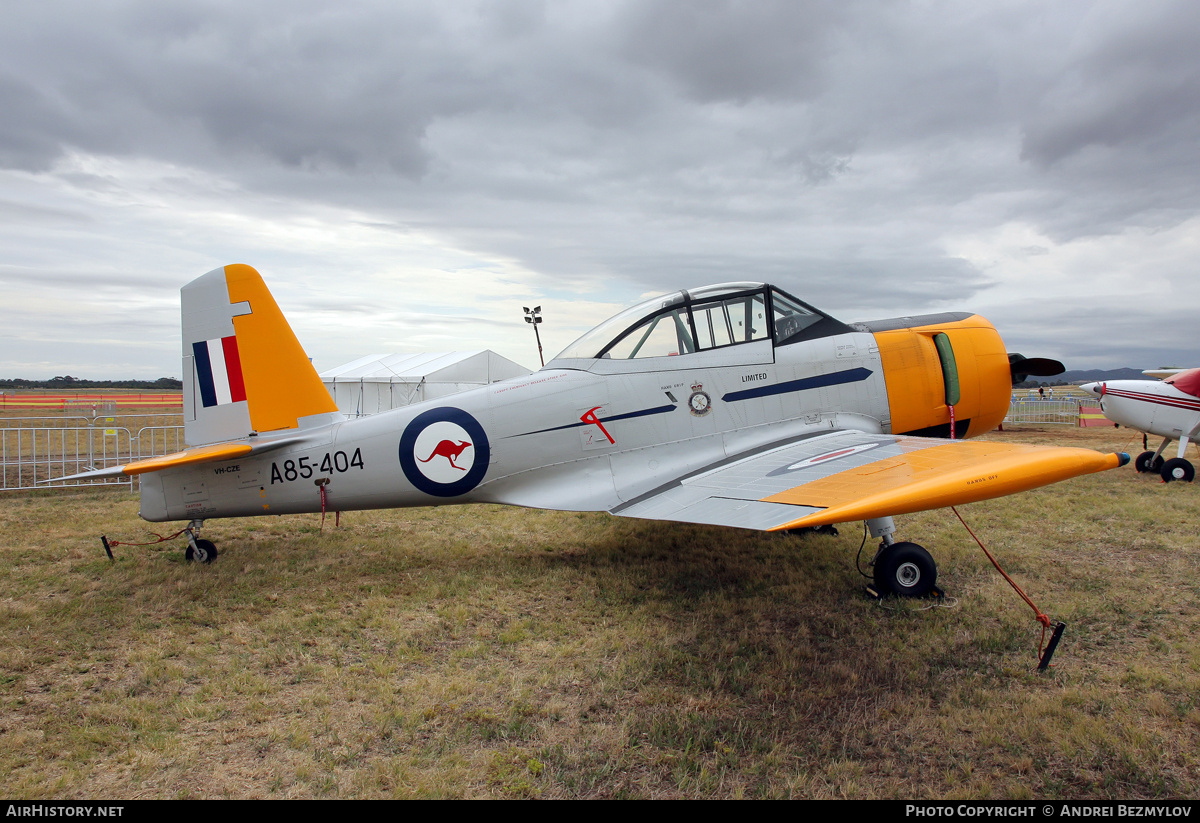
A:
(873, 158)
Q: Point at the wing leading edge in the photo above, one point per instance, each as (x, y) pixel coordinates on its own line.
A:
(845, 476)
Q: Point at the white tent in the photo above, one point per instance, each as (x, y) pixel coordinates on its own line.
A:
(380, 382)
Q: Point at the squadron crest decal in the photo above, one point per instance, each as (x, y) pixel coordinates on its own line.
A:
(444, 452)
(699, 403)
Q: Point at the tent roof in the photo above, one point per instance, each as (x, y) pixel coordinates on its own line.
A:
(415, 366)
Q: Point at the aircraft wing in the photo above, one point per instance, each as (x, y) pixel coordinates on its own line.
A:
(848, 475)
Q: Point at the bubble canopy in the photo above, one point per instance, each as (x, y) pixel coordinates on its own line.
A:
(688, 321)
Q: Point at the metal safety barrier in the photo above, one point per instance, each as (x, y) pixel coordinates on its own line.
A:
(32, 455)
(1030, 410)
(155, 441)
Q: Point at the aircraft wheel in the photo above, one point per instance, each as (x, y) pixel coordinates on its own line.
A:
(1178, 469)
(1147, 463)
(906, 570)
(205, 552)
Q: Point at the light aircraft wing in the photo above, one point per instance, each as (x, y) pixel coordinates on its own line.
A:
(849, 475)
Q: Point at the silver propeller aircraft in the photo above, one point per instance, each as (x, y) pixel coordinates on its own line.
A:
(732, 405)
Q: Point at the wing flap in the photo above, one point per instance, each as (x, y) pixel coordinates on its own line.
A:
(693, 505)
(845, 476)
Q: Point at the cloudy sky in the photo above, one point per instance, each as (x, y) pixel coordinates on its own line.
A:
(407, 175)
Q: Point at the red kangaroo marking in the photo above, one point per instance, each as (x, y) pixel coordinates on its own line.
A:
(449, 450)
(589, 416)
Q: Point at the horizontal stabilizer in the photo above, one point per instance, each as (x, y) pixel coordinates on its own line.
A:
(216, 453)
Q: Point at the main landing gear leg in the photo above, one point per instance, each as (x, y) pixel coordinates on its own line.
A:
(1151, 462)
(202, 551)
(902, 569)
(1178, 468)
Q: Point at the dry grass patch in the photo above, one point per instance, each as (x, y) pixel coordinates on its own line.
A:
(495, 652)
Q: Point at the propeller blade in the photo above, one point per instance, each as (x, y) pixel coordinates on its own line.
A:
(1022, 367)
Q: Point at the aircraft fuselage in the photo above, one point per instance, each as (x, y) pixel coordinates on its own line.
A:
(1150, 406)
(593, 434)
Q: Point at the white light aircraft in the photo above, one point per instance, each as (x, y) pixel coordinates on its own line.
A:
(732, 405)
(1167, 408)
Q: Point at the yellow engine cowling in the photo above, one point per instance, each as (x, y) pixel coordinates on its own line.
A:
(921, 379)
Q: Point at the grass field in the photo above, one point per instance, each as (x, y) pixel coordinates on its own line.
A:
(496, 652)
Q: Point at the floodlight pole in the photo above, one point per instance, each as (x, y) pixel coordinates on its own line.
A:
(534, 316)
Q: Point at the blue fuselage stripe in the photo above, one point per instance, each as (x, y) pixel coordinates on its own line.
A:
(642, 413)
(818, 382)
(615, 417)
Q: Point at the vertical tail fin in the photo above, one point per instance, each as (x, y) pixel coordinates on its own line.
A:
(243, 369)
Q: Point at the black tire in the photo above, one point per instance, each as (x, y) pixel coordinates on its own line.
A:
(206, 552)
(1147, 463)
(1177, 469)
(905, 570)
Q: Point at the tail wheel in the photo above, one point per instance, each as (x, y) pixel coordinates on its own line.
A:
(1147, 463)
(205, 552)
(906, 570)
(1177, 469)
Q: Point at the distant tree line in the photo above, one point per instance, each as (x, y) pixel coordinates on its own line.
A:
(69, 382)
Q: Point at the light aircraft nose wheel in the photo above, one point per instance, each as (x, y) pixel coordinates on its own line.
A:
(1147, 463)
(906, 570)
(1177, 469)
(205, 551)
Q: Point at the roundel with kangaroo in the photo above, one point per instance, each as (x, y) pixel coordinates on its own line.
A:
(444, 452)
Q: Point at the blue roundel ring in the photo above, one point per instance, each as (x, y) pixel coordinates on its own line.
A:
(479, 442)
